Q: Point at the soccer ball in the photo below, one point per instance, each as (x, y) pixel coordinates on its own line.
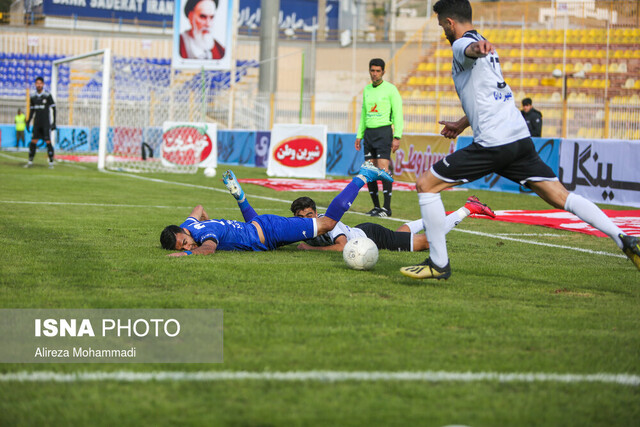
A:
(360, 253)
(209, 172)
(110, 160)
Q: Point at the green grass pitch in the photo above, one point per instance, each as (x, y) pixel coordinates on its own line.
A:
(76, 238)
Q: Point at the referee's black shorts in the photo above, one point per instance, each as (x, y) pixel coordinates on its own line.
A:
(385, 238)
(377, 143)
(518, 161)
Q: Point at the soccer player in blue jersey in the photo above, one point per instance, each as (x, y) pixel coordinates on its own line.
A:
(204, 236)
(501, 144)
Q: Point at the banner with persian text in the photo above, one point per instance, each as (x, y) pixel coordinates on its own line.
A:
(417, 153)
(298, 151)
(603, 171)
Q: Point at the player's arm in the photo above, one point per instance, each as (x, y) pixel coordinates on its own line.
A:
(53, 109)
(337, 246)
(362, 125)
(479, 49)
(452, 129)
(31, 113)
(396, 118)
(197, 213)
(207, 248)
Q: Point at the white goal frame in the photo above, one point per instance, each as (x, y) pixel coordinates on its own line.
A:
(104, 96)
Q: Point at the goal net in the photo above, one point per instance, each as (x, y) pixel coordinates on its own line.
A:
(132, 113)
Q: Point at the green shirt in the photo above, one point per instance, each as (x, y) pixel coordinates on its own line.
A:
(20, 122)
(381, 106)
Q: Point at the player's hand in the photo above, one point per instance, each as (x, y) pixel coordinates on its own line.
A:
(53, 126)
(358, 144)
(395, 144)
(178, 254)
(304, 247)
(451, 129)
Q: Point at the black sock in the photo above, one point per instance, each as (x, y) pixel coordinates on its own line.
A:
(32, 151)
(386, 191)
(373, 191)
(50, 152)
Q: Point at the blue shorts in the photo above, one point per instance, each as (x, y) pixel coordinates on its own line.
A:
(280, 231)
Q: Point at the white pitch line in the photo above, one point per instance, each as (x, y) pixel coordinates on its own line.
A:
(533, 242)
(111, 205)
(320, 376)
(530, 234)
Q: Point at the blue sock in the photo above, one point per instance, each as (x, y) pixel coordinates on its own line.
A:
(342, 202)
(247, 211)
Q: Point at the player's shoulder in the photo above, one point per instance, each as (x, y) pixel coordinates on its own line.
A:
(473, 35)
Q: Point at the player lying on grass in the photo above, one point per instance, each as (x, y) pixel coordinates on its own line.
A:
(201, 235)
(406, 238)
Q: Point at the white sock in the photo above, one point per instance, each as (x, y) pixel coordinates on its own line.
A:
(454, 218)
(434, 219)
(591, 214)
(415, 226)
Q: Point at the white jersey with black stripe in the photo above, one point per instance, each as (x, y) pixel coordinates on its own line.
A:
(486, 99)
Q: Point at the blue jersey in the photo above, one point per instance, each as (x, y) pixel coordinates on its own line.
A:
(229, 235)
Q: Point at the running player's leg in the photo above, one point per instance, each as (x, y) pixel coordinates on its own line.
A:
(554, 193)
(529, 169)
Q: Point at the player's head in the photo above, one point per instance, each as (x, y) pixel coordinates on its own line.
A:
(39, 83)
(19, 111)
(376, 69)
(304, 207)
(450, 13)
(176, 238)
(200, 14)
(527, 105)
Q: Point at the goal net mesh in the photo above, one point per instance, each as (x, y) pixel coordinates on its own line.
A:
(144, 101)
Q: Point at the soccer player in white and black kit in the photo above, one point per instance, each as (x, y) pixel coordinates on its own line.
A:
(41, 107)
(502, 144)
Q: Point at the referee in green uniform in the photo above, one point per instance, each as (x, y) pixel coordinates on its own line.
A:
(381, 128)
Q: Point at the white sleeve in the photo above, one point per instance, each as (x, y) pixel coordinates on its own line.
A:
(339, 229)
(415, 226)
(458, 47)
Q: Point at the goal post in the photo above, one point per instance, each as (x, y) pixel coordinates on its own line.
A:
(104, 96)
(137, 114)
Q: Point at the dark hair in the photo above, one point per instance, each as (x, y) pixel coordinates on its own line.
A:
(40, 78)
(168, 236)
(191, 4)
(526, 101)
(458, 10)
(378, 62)
(302, 203)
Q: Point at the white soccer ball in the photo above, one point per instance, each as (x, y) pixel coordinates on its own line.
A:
(360, 253)
(209, 172)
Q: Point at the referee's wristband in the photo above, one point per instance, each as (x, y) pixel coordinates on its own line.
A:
(188, 252)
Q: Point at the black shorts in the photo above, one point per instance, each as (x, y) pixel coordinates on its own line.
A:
(518, 161)
(41, 132)
(377, 143)
(385, 238)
